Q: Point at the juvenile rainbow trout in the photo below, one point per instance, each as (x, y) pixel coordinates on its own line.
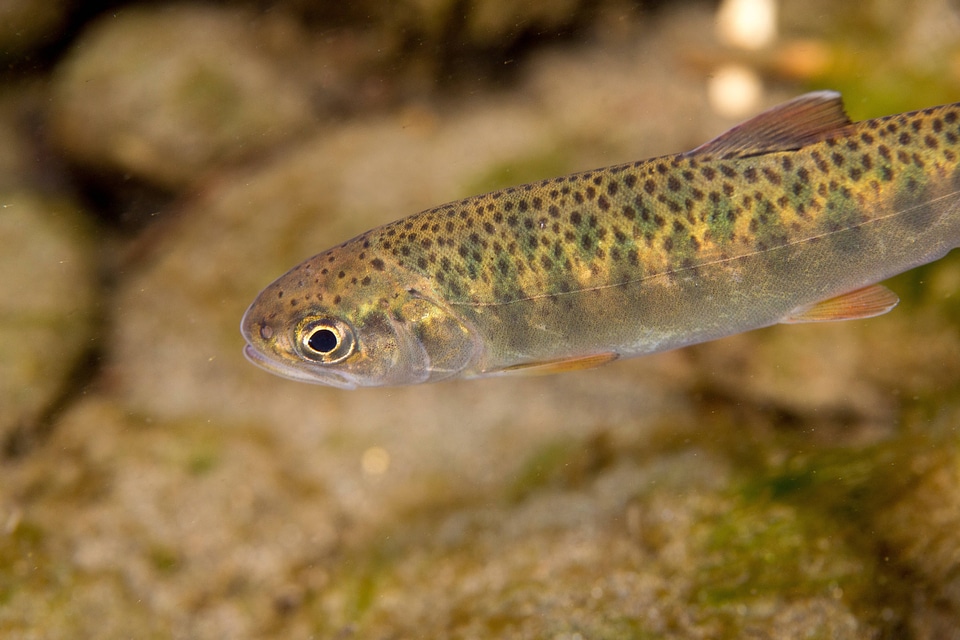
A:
(792, 216)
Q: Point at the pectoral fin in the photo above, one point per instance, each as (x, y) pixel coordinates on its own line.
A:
(558, 365)
(867, 302)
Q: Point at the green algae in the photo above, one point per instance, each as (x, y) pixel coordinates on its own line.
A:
(564, 462)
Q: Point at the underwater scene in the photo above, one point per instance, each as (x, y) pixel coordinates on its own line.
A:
(318, 319)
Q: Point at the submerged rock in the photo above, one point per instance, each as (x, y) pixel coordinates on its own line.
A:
(47, 297)
(167, 93)
(26, 25)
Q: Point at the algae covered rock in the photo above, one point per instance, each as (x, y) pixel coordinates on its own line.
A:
(47, 289)
(165, 93)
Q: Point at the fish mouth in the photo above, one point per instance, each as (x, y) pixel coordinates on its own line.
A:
(284, 370)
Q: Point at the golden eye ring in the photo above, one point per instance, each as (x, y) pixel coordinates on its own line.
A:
(325, 340)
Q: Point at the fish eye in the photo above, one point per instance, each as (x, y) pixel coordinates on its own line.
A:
(325, 340)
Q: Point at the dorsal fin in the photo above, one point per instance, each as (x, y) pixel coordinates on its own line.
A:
(785, 127)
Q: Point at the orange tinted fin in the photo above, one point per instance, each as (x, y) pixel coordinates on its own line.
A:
(868, 302)
(559, 365)
(786, 127)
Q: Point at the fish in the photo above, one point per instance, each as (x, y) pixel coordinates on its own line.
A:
(793, 216)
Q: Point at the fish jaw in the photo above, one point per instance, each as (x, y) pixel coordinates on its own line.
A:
(299, 374)
(270, 348)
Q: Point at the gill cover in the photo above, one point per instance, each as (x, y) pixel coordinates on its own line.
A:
(443, 345)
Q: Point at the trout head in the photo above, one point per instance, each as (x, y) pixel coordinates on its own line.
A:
(349, 317)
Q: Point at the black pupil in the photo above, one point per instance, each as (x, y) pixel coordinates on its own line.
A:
(323, 341)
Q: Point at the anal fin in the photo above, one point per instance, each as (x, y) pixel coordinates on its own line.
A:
(867, 302)
(558, 365)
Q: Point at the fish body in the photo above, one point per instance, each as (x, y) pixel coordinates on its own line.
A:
(792, 216)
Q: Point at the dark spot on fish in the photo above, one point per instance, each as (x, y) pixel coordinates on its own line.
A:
(818, 160)
(904, 138)
(673, 184)
(750, 174)
(630, 180)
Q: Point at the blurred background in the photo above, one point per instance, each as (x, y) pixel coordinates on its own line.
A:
(161, 162)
